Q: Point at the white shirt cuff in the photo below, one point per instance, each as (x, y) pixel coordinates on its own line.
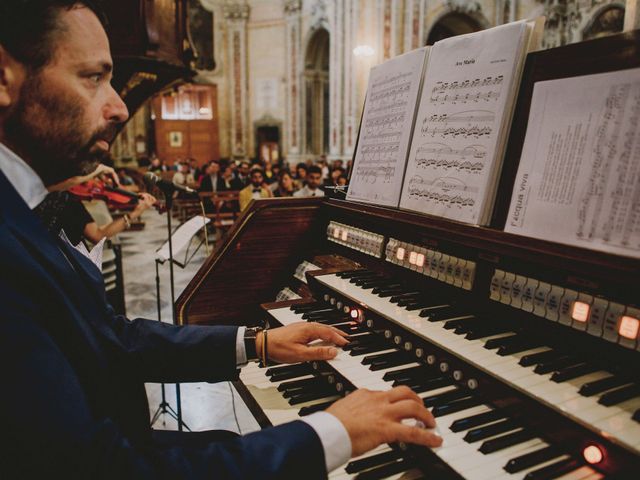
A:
(241, 352)
(333, 436)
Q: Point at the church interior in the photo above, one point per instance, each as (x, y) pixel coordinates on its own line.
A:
(510, 307)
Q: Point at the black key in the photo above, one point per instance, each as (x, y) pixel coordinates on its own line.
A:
(446, 397)
(355, 280)
(602, 385)
(554, 365)
(303, 307)
(388, 293)
(323, 314)
(636, 415)
(498, 342)
(294, 368)
(344, 273)
(619, 395)
(350, 328)
(354, 273)
(404, 295)
(406, 373)
(394, 362)
(289, 375)
(457, 406)
(480, 433)
(458, 322)
(420, 386)
(369, 359)
(373, 461)
(504, 441)
(308, 397)
(311, 313)
(486, 330)
(387, 290)
(439, 313)
(416, 305)
(418, 299)
(529, 460)
(334, 321)
(365, 349)
(319, 388)
(387, 470)
(574, 371)
(535, 358)
(318, 407)
(367, 282)
(518, 347)
(555, 470)
(298, 384)
(477, 420)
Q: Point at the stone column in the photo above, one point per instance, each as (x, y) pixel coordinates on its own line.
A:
(294, 140)
(414, 24)
(632, 15)
(337, 76)
(350, 106)
(236, 16)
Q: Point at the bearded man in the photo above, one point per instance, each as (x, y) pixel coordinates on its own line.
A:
(73, 403)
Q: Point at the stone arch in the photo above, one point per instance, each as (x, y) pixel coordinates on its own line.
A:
(316, 92)
(603, 20)
(456, 21)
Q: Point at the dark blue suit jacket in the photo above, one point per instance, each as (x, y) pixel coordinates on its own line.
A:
(72, 401)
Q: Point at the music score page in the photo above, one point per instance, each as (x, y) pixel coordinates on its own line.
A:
(578, 181)
(386, 129)
(462, 123)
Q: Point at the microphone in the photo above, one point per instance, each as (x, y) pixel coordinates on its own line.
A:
(167, 187)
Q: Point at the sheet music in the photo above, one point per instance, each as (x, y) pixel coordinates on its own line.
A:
(462, 123)
(579, 176)
(386, 128)
(182, 236)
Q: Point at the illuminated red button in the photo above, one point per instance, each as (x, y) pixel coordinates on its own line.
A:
(355, 313)
(592, 454)
(580, 311)
(629, 327)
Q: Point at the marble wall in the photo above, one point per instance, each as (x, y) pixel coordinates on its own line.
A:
(262, 50)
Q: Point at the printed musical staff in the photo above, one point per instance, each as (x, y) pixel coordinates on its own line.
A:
(446, 191)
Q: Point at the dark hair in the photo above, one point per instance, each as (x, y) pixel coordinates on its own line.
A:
(314, 169)
(28, 27)
(302, 165)
(256, 170)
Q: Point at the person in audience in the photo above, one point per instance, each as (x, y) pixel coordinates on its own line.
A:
(285, 185)
(336, 173)
(183, 176)
(156, 165)
(212, 180)
(194, 168)
(73, 370)
(127, 182)
(255, 190)
(243, 174)
(342, 181)
(314, 180)
(230, 180)
(301, 175)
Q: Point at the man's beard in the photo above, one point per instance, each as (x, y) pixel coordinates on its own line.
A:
(45, 129)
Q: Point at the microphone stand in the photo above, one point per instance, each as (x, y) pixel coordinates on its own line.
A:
(164, 406)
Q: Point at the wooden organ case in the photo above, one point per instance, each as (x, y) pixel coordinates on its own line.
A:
(480, 322)
(151, 47)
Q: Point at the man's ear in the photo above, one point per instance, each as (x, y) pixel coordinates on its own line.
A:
(12, 75)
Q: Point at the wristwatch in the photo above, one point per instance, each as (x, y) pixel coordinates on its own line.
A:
(250, 335)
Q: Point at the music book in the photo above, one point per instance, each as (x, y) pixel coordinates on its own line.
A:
(386, 129)
(578, 180)
(462, 125)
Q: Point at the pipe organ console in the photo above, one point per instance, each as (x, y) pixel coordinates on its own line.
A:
(526, 351)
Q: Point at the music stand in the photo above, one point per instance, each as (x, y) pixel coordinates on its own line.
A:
(183, 237)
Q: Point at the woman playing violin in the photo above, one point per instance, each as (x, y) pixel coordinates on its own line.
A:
(62, 211)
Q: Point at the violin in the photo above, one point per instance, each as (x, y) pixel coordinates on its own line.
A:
(116, 198)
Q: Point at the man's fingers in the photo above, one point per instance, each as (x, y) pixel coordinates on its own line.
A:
(318, 353)
(329, 334)
(411, 409)
(402, 393)
(415, 435)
